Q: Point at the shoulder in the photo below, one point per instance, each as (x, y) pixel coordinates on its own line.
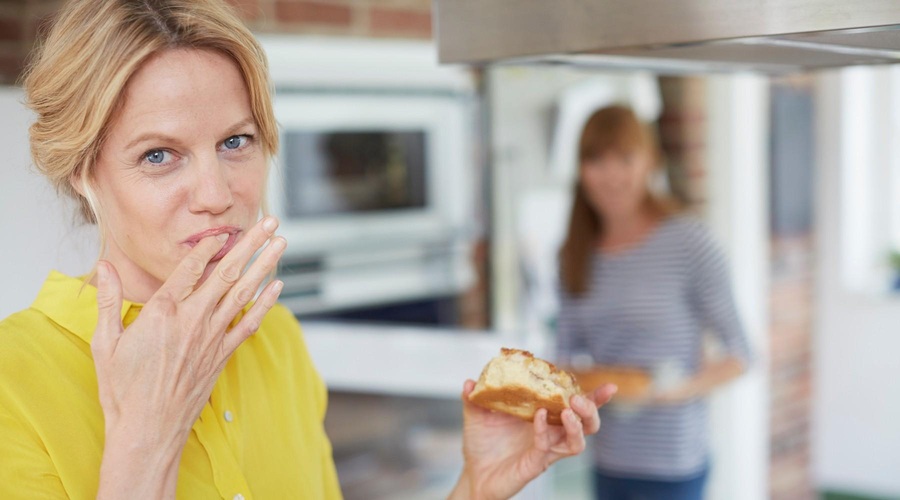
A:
(24, 338)
(691, 234)
(687, 226)
(39, 357)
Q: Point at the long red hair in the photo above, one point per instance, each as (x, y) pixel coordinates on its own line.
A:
(613, 128)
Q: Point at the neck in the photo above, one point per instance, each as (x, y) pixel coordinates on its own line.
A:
(626, 229)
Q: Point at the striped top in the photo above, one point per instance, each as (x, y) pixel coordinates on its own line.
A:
(649, 307)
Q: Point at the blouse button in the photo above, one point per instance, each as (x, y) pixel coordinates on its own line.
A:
(228, 418)
(239, 497)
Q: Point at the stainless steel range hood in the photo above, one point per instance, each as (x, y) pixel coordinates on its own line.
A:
(773, 36)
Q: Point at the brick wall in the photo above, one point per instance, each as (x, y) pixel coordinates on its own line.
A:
(21, 20)
(359, 18)
(790, 355)
(11, 41)
(20, 23)
(682, 133)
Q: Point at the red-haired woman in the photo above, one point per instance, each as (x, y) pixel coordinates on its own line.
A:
(641, 284)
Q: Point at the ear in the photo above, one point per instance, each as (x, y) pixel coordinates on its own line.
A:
(75, 183)
(82, 182)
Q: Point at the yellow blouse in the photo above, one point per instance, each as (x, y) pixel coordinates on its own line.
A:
(260, 435)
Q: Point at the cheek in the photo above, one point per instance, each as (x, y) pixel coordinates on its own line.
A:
(641, 179)
(592, 177)
(248, 187)
(605, 186)
(129, 208)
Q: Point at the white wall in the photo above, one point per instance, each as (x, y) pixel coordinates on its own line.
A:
(856, 424)
(38, 228)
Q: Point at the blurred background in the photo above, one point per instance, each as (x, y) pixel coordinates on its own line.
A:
(424, 205)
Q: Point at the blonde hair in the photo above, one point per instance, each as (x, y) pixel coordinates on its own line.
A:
(77, 79)
(613, 128)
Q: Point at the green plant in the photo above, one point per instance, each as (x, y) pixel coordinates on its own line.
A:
(895, 260)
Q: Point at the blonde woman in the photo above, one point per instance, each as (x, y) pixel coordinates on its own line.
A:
(157, 376)
(641, 284)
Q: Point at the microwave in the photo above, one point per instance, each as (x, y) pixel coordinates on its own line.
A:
(375, 180)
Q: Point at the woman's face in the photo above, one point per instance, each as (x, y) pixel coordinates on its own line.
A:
(615, 182)
(181, 161)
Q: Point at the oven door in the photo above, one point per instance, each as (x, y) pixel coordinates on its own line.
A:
(360, 170)
(375, 192)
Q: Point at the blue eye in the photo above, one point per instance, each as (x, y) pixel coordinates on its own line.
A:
(156, 156)
(235, 141)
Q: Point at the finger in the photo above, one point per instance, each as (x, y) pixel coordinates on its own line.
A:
(109, 306)
(542, 438)
(231, 267)
(250, 322)
(587, 411)
(574, 431)
(470, 409)
(245, 289)
(189, 271)
(602, 394)
(468, 387)
(537, 458)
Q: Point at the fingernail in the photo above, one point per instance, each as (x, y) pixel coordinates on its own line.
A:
(578, 401)
(102, 272)
(270, 224)
(222, 237)
(276, 289)
(279, 244)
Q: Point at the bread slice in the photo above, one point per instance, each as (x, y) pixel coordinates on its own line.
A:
(517, 383)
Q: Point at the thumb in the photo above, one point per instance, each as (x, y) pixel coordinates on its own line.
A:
(109, 303)
(468, 405)
(468, 387)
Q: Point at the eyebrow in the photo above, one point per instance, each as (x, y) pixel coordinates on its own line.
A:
(157, 136)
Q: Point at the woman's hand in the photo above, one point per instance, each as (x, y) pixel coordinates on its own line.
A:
(679, 394)
(155, 377)
(712, 375)
(503, 453)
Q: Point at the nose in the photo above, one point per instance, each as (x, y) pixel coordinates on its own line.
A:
(211, 187)
(606, 172)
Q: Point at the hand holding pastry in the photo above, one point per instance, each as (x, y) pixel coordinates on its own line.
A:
(507, 447)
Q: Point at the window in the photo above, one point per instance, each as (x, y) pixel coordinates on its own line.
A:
(869, 177)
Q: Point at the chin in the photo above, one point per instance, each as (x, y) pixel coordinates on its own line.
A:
(623, 209)
(614, 211)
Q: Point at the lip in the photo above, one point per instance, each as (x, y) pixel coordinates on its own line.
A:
(231, 231)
